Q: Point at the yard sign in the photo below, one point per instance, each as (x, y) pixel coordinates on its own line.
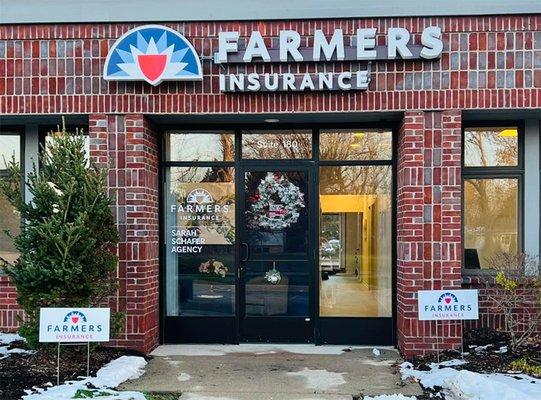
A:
(74, 325)
(448, 305)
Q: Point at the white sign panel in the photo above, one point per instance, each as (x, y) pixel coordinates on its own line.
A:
(448, 305)
(61, 325)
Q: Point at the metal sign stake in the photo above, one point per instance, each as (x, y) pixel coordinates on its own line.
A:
(58, 358)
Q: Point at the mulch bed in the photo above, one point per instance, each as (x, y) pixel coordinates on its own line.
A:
(484, 357)
(23, 371)
(480, 347)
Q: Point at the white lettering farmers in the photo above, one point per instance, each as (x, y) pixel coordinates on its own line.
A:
(327, 48)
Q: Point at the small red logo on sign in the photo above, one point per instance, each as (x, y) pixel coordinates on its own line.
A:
(152, 65)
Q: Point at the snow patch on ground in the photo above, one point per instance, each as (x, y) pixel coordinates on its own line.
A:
(467, 385)
(391, 397)
(5, 341)
(183, 377)
(110, 376)
(320, 379)
(257, 349)
(502, 349)
(7, 338)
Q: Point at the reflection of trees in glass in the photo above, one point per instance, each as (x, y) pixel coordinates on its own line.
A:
(355, 180)
(362, 145)
(10, 219)
(486, 147)
(490, 216)
(490, 205)
(290, 144)
(201, 146)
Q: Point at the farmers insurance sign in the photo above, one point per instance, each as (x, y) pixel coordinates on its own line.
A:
(74, 325)
(446, 305)
(155, 53)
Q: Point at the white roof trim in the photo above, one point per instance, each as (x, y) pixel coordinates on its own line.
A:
(86, 11)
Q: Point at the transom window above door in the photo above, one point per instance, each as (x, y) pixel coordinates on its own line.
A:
(277, 144)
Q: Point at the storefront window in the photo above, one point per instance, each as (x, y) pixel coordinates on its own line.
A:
(490, 220)
(491, 147)
(356, 145)
(355, 241)
(492, 184)
(200, 238)
(283, 144)
(203, 146)
(10, 148)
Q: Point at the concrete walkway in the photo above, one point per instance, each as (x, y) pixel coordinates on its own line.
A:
(272, 372)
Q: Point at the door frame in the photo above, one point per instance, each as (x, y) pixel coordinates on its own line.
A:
(300, 329)
(168, 325)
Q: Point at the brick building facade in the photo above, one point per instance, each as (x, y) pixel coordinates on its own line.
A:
(489, 65)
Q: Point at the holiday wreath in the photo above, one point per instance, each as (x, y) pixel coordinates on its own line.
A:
(276, 203)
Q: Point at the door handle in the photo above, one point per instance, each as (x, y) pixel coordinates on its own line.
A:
(246, 253)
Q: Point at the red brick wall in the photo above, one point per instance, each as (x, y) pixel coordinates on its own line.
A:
(9, 309)
(489, 315)
(127, 146)
(487, 62)
(428, 223)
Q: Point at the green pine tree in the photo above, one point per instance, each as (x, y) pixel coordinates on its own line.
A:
(68, 240)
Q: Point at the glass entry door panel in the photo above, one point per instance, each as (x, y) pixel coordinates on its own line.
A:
(276, 255)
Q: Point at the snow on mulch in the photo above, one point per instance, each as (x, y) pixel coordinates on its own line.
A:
(6, 339)
(467, 385)
(110, 376)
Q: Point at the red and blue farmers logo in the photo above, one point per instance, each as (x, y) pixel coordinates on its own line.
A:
(152, 53)
(447, 298)
(74, 317)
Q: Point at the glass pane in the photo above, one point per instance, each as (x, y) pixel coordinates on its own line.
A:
(355, 241)
(490, 220)
(342, 144)
(200, 238)
(204, 146)
(491, 147)
(283, 144)
(276, 232)
(10, 146)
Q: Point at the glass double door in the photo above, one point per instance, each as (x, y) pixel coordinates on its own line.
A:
(276, 253)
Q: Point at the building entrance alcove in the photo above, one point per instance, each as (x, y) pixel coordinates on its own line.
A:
(278, 235)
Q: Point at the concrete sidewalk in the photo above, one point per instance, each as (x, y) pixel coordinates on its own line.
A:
(272, 372)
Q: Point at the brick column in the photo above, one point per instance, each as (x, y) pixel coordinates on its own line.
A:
(428, 224)
(128, 147)
(10, 310)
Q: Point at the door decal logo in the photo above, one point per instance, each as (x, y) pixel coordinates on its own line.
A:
(199, 196)
(152, 53)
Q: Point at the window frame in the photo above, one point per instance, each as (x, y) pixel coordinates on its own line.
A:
(494, 172)
(20, 131)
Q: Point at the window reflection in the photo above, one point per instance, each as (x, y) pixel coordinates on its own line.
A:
(10, 148)
(204, 146)
(355, 241)
(355, 145)
(490, 219)
(200, 238)
(491, 147)
(284, 144)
